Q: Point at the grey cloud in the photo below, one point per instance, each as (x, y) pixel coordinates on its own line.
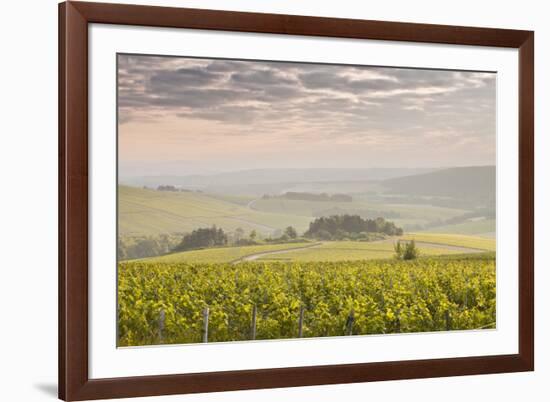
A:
(328, 80)
(195, 77)
(256, 97)
(260, 78)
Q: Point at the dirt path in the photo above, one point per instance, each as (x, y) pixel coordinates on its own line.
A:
(253, 257)
(250, 203)
(449, 247)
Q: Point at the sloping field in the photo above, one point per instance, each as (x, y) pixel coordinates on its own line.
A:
(474, 242)
(221, 254)
(483, 228)
(351, 250)
(143, 211)
(315, 208)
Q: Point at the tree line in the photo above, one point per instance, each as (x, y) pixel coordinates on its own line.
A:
(338, 227)
(335, 227)
(202, 238)
(303, 196)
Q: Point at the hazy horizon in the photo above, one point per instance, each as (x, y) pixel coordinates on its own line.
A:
(184, 116)
(221, 172)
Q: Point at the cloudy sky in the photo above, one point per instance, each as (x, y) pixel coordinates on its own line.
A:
(186, 116)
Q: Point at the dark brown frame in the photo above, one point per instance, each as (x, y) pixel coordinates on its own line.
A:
(74, 383)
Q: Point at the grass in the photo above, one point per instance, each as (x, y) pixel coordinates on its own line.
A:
(482, 227)
(221, 254)
(413, 212)
(349, 251)
(400, 214)
(480, 243)
(234, 199)
(142, 211)
(150, 212)
(329, 250)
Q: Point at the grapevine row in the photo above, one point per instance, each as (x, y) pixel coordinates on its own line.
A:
(428, 294)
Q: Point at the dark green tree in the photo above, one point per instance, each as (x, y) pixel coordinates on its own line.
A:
(202, 238)
(291, 232)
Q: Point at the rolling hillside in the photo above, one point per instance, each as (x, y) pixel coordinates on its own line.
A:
(255, 179)
(484, 228)
(351, 251)
(222, 254)
(322, 251)
(401, 214)
(474, 182)
(474, 242)
(143, 211)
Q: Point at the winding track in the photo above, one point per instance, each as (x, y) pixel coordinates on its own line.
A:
(253, 257)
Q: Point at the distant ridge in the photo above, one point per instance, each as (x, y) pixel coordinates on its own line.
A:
(270, 176)
(463, 182)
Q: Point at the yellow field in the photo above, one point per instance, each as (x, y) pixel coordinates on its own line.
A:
(350, 251)
(221, 254)
(480, 243)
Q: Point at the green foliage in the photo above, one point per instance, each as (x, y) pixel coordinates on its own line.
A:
(406, 250)
(202, 238)
(291, 232)
(398, 248)
(341, 227)
(131, 247)
(385, 296)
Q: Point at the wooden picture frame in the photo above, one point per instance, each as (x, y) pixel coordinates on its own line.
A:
(74, 381)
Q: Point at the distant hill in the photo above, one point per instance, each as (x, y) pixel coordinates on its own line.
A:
(257, 180)
(144, 212)
(474, 183)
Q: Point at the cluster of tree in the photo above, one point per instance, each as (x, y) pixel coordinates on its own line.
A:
(201, 238)
(166, 187)
(406, 251)
(361, 212)
(169, 187)
(337, 227)
(140, 246)
(289, 235)
(323, 197)
(239, 238)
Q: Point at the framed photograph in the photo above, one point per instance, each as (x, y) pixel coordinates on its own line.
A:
(258, 200)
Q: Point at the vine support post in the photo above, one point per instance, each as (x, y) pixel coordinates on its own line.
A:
(162, 317)
(398, 321)
(349, 323)
(205, 314)
(301, 322)
(253, 328)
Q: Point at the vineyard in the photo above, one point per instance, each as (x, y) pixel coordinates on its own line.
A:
(166, 303)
